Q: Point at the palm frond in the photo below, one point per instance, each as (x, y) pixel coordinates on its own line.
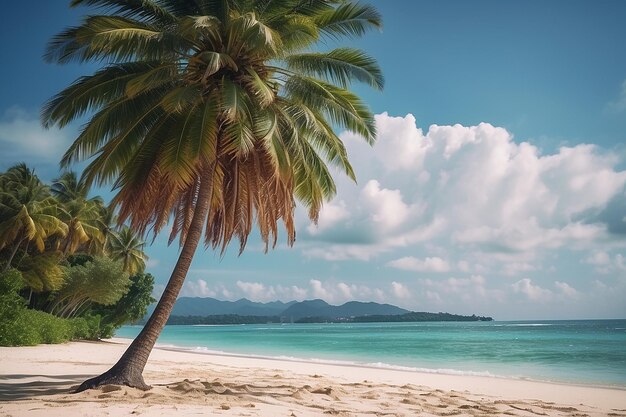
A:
(340, 66)
(349, 19)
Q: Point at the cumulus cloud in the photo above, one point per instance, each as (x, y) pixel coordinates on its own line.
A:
(257, 291)
(197, 288)
(23, 139)
(399, 290)
(385, 206)
(341, 292)
(331, 214)
(605, 263)
(566, 290)
(410, 263)
(467, 187)
(598, 258)
(531, 291)
(330, 291)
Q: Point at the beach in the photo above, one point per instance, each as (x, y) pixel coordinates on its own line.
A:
(37, 381)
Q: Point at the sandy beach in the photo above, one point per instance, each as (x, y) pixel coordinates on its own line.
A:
(36, 381)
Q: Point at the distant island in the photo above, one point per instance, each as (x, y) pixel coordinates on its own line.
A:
(209, 311)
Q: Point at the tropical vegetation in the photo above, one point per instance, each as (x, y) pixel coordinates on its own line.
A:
(66, 271)
(211, 116)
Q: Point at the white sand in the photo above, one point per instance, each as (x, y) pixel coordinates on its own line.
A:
(35, 381)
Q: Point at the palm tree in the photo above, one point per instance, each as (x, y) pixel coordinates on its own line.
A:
(213, 114)
(68, 187)
(106, 224)
(125, 246)
(27, 212)
(81, 214)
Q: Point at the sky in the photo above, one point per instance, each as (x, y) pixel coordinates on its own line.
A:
(496, 186)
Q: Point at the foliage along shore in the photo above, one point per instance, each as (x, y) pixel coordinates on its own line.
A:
(68, 271)
(226, 319)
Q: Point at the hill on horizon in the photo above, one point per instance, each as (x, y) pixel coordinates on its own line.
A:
(292, 310)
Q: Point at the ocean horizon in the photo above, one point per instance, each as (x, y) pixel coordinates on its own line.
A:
(586, 352)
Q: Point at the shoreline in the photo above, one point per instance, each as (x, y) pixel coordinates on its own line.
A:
(374, 365)
(36, 379)
(383, 366)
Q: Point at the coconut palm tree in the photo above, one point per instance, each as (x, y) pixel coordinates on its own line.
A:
(68, 187)
(81, 214)
(214, 114)
(125, 246)
(28, 214)
(106, 223)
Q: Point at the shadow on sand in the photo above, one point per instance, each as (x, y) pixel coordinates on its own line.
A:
(42, 385)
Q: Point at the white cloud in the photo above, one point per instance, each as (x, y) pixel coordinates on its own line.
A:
(566, 290)
(385, 206)
(598, 258)
(399, 290)
(318, 290)
(341, 292)
(331, 214)
(197, 288)
(410, 263)
(405, 147)
(256, 291)
(605, 263)
(342, 252)
(471, 189)
(260, 292)
(23, 139)
(532, 292)
(345, 290)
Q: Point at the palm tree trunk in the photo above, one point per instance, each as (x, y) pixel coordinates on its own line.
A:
(128, 370)
(12, 255)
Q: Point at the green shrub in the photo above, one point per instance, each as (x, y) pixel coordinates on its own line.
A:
(87, 327)
(20, 326)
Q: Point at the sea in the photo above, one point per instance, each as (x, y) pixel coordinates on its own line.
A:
(586, 352)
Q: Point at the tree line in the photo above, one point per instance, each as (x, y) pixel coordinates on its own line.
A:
(217, 319)
(68, 270)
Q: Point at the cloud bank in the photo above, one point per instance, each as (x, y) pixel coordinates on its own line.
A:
(469, 187)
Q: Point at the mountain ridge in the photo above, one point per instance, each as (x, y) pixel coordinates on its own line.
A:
(292, 310)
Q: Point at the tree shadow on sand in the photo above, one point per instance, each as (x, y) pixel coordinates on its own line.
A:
(12, 389)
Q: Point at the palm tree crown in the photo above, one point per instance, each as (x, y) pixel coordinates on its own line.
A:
(27, 211)
(228, 89)
(125, 246)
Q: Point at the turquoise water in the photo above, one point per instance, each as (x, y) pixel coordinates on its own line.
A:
(586, 352)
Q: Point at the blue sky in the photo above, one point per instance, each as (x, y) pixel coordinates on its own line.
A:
(497, 185)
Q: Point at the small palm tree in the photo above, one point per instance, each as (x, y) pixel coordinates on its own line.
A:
(106, 224)
(213, 114)
(68, 187)
(126, 247)
(28, 214)
(81, 214)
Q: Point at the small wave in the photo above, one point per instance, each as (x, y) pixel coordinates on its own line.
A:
(523, 325)
(376, 365)
(445, 371)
